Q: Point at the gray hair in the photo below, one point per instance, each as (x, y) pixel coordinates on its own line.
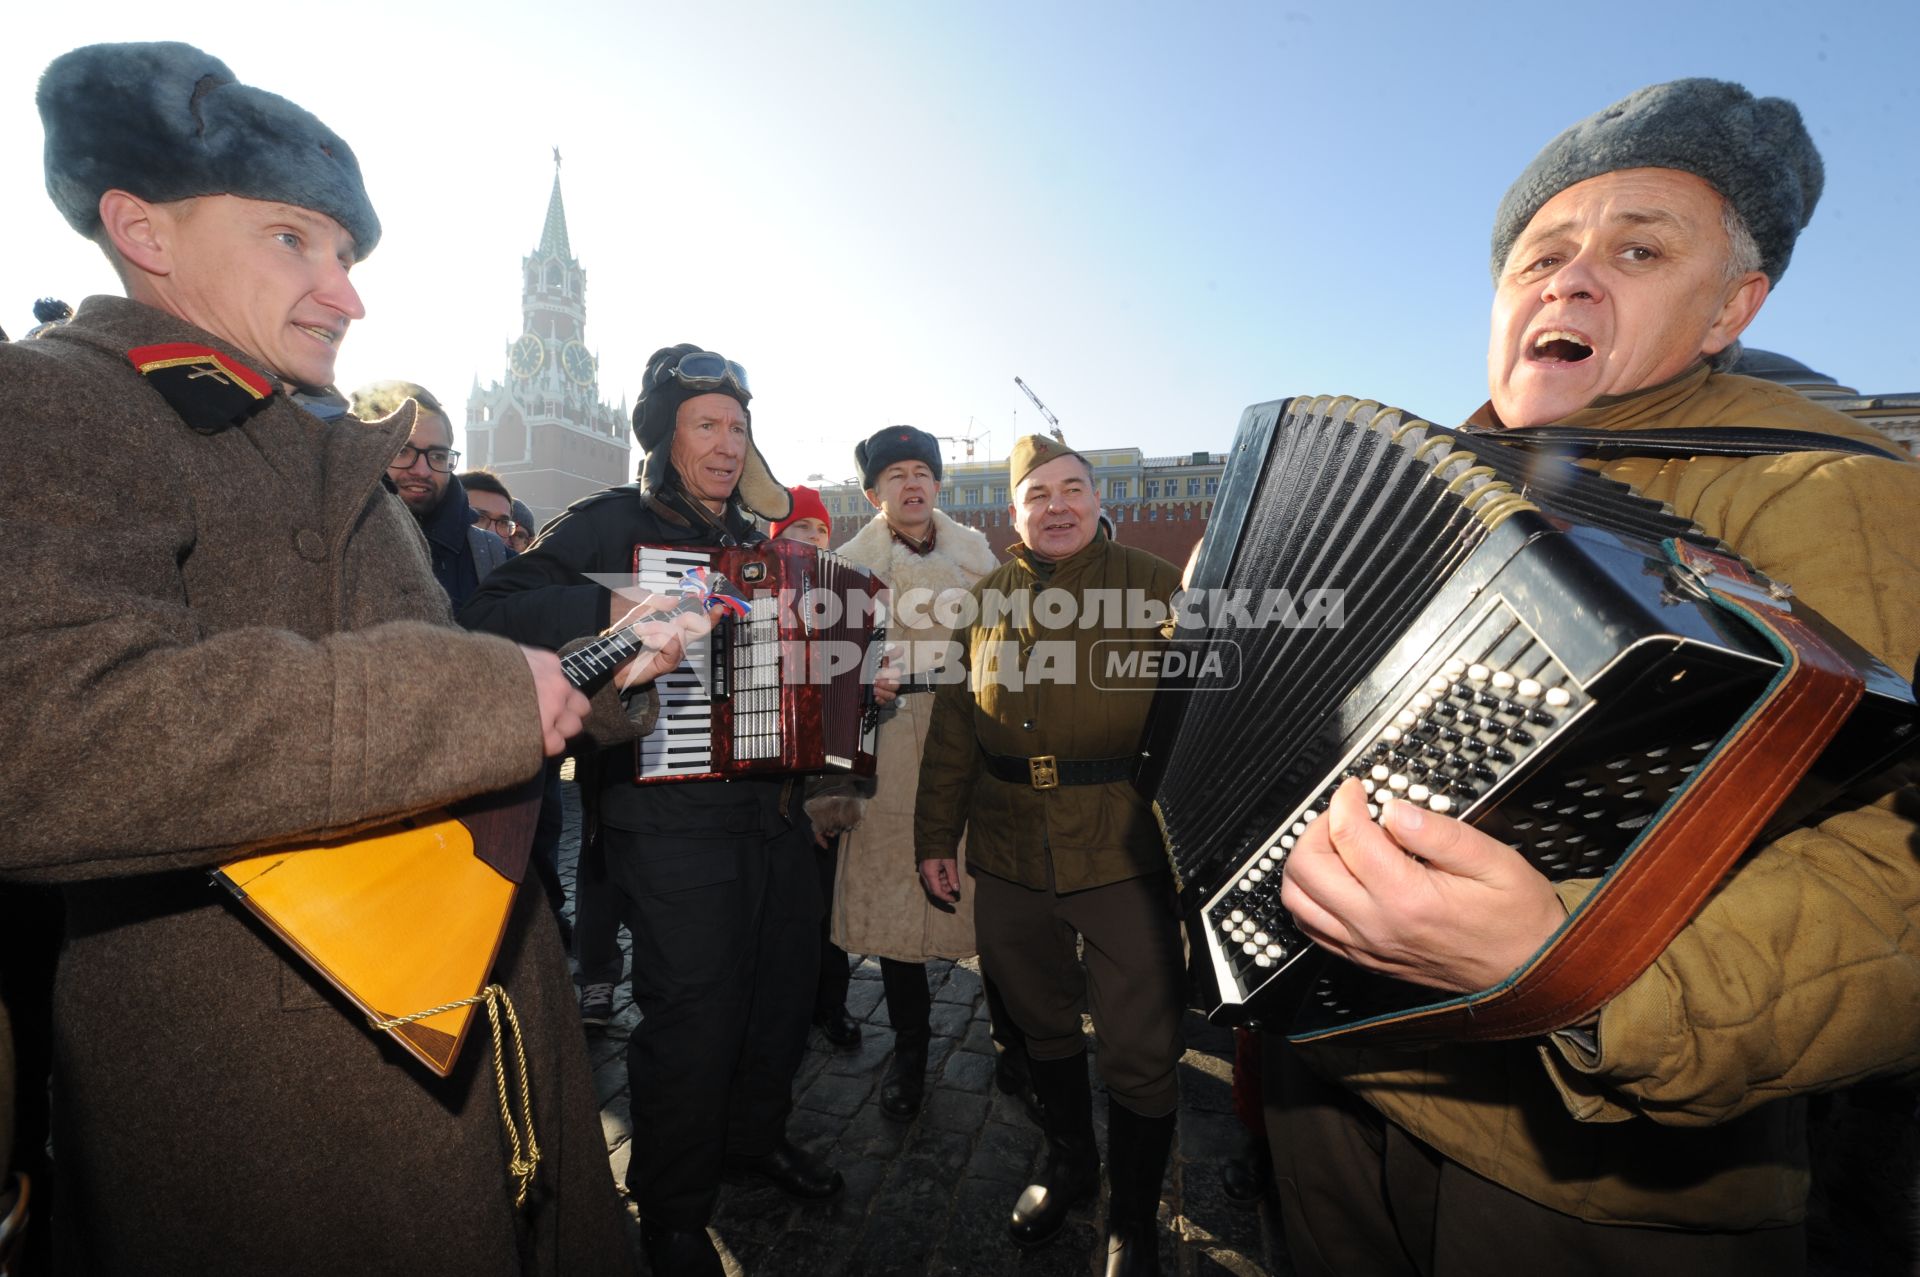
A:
(1743, 257)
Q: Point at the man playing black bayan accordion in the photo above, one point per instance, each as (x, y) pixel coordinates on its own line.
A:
(1666, 1134)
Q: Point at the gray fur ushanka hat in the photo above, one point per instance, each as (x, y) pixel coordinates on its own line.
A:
(166, 122)
(1754, 151)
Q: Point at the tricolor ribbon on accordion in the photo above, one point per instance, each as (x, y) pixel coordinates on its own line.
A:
(714, 590)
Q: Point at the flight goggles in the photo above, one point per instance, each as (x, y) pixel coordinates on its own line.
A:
(705, 371)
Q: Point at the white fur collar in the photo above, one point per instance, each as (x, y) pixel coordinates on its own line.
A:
(960, 555)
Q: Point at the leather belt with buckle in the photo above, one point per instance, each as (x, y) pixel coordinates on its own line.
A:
(1047, 771)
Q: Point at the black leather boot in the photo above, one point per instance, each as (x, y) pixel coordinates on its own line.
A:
(1247, 1174)
(905, 1085)
(1013, 1074)
(679, 1252)
(1071, 1173)
(1137, 1150)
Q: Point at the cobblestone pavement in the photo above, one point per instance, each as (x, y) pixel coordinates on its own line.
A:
(932, 1196)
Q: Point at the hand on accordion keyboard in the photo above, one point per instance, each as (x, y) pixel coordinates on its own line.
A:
(1417, 896)
(665, 640)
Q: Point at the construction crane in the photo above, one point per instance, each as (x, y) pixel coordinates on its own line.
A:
(969, 439)
(1053, 422)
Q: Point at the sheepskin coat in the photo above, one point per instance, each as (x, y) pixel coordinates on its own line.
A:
(212, 640)
(879, 907)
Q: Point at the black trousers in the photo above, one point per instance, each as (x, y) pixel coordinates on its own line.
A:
(1360, 1195)
(910, 1006)
(830, 993)
(725, 955)
(545, 858)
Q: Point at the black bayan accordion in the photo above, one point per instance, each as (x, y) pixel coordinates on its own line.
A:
(787, 689)
(1507, 638)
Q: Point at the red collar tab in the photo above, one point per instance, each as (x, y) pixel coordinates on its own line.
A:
(209, 390)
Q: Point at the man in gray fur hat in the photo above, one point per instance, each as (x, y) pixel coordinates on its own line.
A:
(223, 631)
(1669, 1133)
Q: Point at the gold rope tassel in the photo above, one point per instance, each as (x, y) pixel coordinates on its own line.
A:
(526, 1155)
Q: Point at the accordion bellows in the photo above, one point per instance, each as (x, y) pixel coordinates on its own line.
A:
(1517, 642)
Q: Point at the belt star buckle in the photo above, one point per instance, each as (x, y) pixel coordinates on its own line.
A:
(1043, 771)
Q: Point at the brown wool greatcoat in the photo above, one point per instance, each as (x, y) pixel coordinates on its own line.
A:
(210, 640)
(1802, 974)
(879, 906)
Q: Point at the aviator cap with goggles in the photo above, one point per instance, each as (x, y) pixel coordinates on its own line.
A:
(707, 373)
(676, 374)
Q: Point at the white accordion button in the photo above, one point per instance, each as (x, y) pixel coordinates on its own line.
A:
(1477, 673)
(1503, 681)
(1262, 938)
(1390, 734)
(1438, 686)
(1529, 689)
(1397, 783)
(1405, 718)
(1454, 668)
(1266, 864)
(1440, 803)
(1418, 793)
(1262, 960)
(1422, 702)
(1275, 951)
(1255, 875)
(1250, 948)
(1380, 771)
(1238, 915)
(1559, 697)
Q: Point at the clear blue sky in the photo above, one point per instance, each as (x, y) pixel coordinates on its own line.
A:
(1156, 214)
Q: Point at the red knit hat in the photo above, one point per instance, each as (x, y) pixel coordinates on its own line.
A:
(806, 505)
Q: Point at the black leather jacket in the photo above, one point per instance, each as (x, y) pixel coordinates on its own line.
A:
(543, 598)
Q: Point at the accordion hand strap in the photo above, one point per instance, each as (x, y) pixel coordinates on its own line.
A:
(1665, 878)
(1738, 441)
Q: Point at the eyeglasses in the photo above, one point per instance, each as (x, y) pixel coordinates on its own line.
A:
(704, 370)
(440, 460)
(498, 523)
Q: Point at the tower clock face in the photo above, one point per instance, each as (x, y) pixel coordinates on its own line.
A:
(528, 354)
(578, 363)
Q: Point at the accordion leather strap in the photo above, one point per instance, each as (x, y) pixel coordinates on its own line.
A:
(1686, 850)
(1737, 441)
